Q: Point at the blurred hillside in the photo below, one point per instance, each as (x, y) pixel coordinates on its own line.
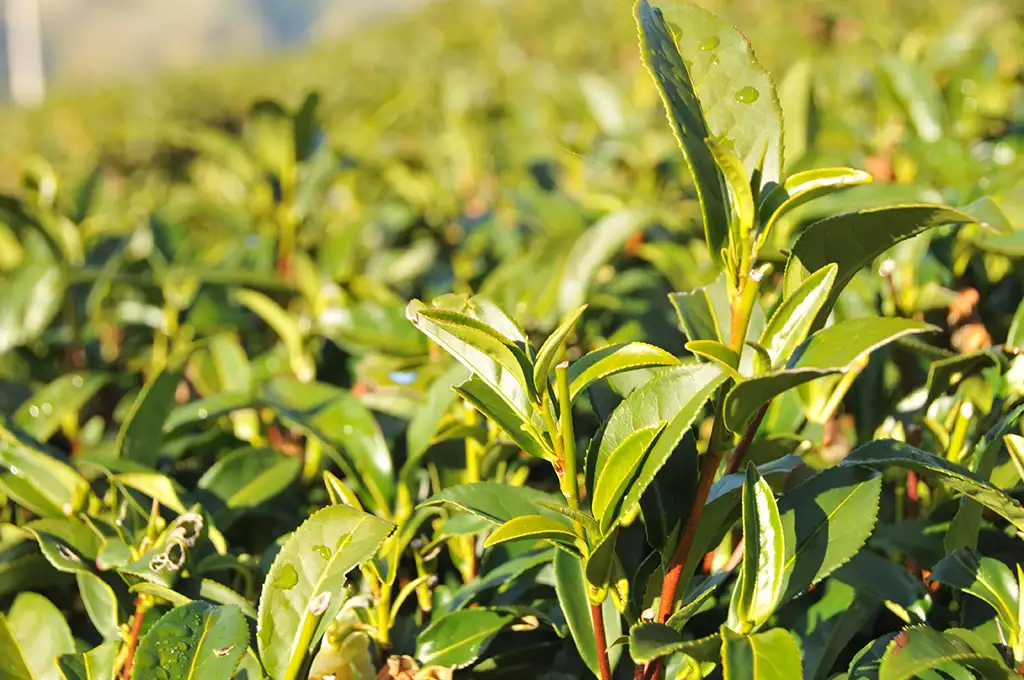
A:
(126, 73)
(97, 41)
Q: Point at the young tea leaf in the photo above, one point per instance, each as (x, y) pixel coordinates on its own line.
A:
(193, 642)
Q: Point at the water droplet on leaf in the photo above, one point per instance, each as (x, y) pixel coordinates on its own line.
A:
(748, 95)
(709, 44)
(287, 578)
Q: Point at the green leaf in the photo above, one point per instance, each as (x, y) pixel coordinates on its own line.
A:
(661, 57)
(832, 622)
(571, 589)
(889, 581)
(550, 353)
(42, 633)
(31, 297)
(467, 334)
(504, 374)
(792, 320)
(716, 352)
(836, 349)
(618, 472)
(494, 502)
(485, 400)
(771, 655)
(803, 187)
(535, 527)
(826, 520)
(302, 591)
(98, 663)
(741, 200)
(1015, 336)
(142, 432)
(500, 577)
(853, 240)
(945, 373)
(650, 641)
(884, 453)
(66, 544)
(987, 579)
(762, 573)
(675, 397)
(42, 469)
(966, 525)
(345, 427)
(607, 361)
(423, 426)
(458, 639)
(284, 325)
(735, 93)
(41, 416)
(246, 478)
(915, 650)
(16, 667)
(704, 313)
(101, 603)
(158, 487)
(193, 642)
(595, 247)
(207, 409)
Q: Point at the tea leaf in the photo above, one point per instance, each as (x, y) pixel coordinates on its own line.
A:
(193, 641)
(302, 592)
(915, 650)
(458, 639)
(836, 349)
(607, 361)
(853, 240)
(771, 655)
(98, 663)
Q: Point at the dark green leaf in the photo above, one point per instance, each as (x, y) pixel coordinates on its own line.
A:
(142, 432)
(247, 477)
(827, 519)
(802, 187)
(67, 544)
(884, 453)
(193, 642)
(42, 469)
(853, 240)
(571, 589)
(345, 427)
(649, 641)
(96, 664)
(458, 639)
(915, 650)
(987, 579)
(836, 349)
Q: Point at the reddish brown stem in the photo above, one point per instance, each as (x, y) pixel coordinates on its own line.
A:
(912, 495)
(133, 640)
(737, 455)
(597, 617)
(675, 570)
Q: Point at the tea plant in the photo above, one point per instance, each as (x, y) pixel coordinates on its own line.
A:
(229, 454)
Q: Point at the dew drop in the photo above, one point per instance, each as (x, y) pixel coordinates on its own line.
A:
(323, 551)
(33, 411)
(202, 413)
(47, 408)
(347, 429)
(709, 43)
(77, 381)
(287, 578)
(748, 95)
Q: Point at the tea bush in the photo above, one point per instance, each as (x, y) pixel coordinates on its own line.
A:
(234, 448)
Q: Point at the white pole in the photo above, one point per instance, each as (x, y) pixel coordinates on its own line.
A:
(25, 51)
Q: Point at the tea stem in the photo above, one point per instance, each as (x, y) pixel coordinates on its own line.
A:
(740, 452)
(600, 641)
